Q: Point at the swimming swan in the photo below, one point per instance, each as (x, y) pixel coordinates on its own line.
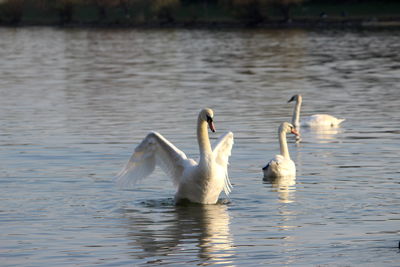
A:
(317, 120)
(281, 165)
(200, 182)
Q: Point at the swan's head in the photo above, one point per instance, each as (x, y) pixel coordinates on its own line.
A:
(288, 128)
(207, 115)
(296, 98)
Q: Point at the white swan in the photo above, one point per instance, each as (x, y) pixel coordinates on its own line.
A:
(281, 165)
(200, 182)
(317, 120)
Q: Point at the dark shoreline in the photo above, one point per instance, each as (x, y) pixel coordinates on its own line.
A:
(207, 14)
(361, 24)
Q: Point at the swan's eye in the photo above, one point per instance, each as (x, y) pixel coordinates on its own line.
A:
(209, 119)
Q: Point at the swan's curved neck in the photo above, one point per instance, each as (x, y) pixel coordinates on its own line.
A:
(283, 144)
(203, 140)
(296, 113)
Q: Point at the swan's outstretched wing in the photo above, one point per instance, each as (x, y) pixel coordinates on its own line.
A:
(222, 150)
(153, 150)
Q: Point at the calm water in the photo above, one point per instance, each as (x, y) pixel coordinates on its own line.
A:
(74, 103)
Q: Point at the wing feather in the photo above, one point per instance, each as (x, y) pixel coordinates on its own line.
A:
(153, 150)
(222, 150)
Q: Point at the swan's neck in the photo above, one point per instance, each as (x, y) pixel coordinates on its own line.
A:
(283, 145)
(296, 113)
(203, 140)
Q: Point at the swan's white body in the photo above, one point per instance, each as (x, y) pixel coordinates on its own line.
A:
(321, 120)
(316, 120)
(281, 165)
(200, 182)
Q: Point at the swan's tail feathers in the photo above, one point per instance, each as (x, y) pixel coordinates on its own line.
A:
(340, 121)
(141, 164)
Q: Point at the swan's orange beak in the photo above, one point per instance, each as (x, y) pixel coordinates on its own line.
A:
(295, 132)
(211, 125)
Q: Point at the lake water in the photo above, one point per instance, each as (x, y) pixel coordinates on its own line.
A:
(75, 102)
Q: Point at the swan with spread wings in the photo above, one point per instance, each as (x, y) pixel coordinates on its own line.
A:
(199, 182)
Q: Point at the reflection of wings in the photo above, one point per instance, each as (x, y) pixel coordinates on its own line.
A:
(216, 242)
(222, 150)
(202, 229)
(153, 150)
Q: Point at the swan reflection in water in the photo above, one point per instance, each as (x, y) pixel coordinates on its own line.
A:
(284, 186)
(325, 135)
(180, 232)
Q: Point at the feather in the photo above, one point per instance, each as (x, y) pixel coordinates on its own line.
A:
(153, 150)
(222, 150)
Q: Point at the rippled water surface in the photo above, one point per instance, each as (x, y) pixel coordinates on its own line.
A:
(74, 103)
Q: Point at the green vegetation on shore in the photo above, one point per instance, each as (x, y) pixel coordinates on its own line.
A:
(199, 12)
